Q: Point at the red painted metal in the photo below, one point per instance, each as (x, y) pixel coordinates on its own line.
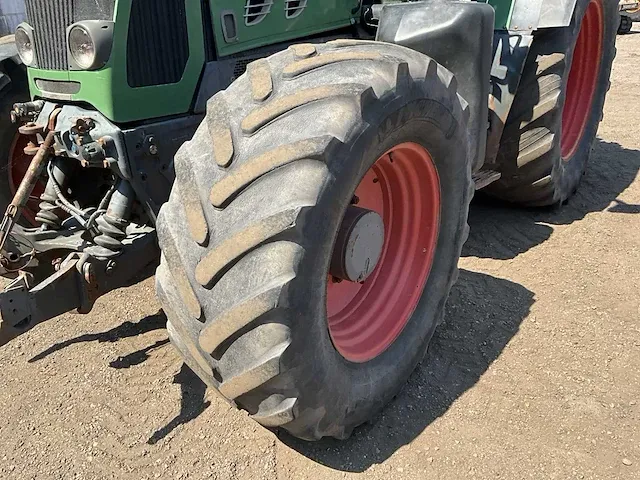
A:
(403, 187)
(583, 79)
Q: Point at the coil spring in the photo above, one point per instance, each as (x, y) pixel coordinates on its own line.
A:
(47, 213)
(113, 231)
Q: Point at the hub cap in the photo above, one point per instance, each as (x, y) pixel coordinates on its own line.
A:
(359, 245)
(402, 189)
(583, 79)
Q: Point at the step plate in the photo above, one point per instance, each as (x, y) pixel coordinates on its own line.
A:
(485, 177)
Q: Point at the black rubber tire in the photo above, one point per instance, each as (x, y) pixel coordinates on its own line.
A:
(16, 91)
(625, 25)
(533, 171)
(280, 155)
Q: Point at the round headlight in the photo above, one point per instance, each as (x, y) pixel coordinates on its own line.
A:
(82, 47)
(24, 46)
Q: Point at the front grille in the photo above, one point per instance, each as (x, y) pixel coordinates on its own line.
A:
(158, 43)
(58, 87)
(50, 19)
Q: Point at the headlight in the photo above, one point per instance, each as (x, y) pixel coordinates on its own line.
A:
(24, 44)
(81, 46)
(89, 43)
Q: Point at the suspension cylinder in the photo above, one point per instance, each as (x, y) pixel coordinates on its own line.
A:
(50, 215)
(113, 224)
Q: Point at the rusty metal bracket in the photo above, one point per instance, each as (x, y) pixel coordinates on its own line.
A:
(26, 187)
(79, 281)
(23, 308)
(30, 179)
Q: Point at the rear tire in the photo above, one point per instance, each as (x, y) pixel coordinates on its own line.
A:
(248, 232)
(535, 169)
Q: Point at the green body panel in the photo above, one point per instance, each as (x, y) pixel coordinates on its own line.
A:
(503, 10)
(317, 17)
(107, 89)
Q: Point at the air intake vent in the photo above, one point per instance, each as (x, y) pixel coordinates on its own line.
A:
(256, 10)
(293, 8)
(158, 42)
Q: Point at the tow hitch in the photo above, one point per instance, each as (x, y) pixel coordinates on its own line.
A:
(79, 252)
(78, 282)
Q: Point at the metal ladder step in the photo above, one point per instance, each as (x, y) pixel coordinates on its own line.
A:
(485, 177)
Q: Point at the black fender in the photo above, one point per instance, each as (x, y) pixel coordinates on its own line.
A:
(459, 36)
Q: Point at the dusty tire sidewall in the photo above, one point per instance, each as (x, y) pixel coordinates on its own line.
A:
(321, 372)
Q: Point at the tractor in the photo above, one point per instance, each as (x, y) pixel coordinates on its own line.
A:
(297, 173)
(629, 13)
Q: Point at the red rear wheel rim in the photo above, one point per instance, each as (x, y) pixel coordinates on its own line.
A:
(403, 187)
(18, 165)
(583, 79)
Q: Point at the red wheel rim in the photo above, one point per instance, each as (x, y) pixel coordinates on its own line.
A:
(403, 187)
(17, 168)
(583, 79)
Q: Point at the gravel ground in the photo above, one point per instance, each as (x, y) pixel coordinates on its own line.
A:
(536, 373)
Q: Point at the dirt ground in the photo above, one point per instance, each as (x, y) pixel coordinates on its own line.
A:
(536, 373)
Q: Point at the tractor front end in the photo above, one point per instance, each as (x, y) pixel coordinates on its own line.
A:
(91, 164)
(116, 87)
(130, 60)
(629, 13)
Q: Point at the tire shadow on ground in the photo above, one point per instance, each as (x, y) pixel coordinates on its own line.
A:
(503, 232)
(192, 403)
(483, 314)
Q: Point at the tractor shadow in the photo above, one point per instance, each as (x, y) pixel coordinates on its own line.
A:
(503, 232)
(125, 330)
(483, 314)
(193, 390)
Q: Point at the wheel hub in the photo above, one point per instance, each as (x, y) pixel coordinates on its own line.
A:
(358, 246)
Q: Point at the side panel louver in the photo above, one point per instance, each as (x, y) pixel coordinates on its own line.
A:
(293, 8)
(256, 10)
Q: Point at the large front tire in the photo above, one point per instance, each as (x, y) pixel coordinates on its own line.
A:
(553, 122)
(249, 231)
